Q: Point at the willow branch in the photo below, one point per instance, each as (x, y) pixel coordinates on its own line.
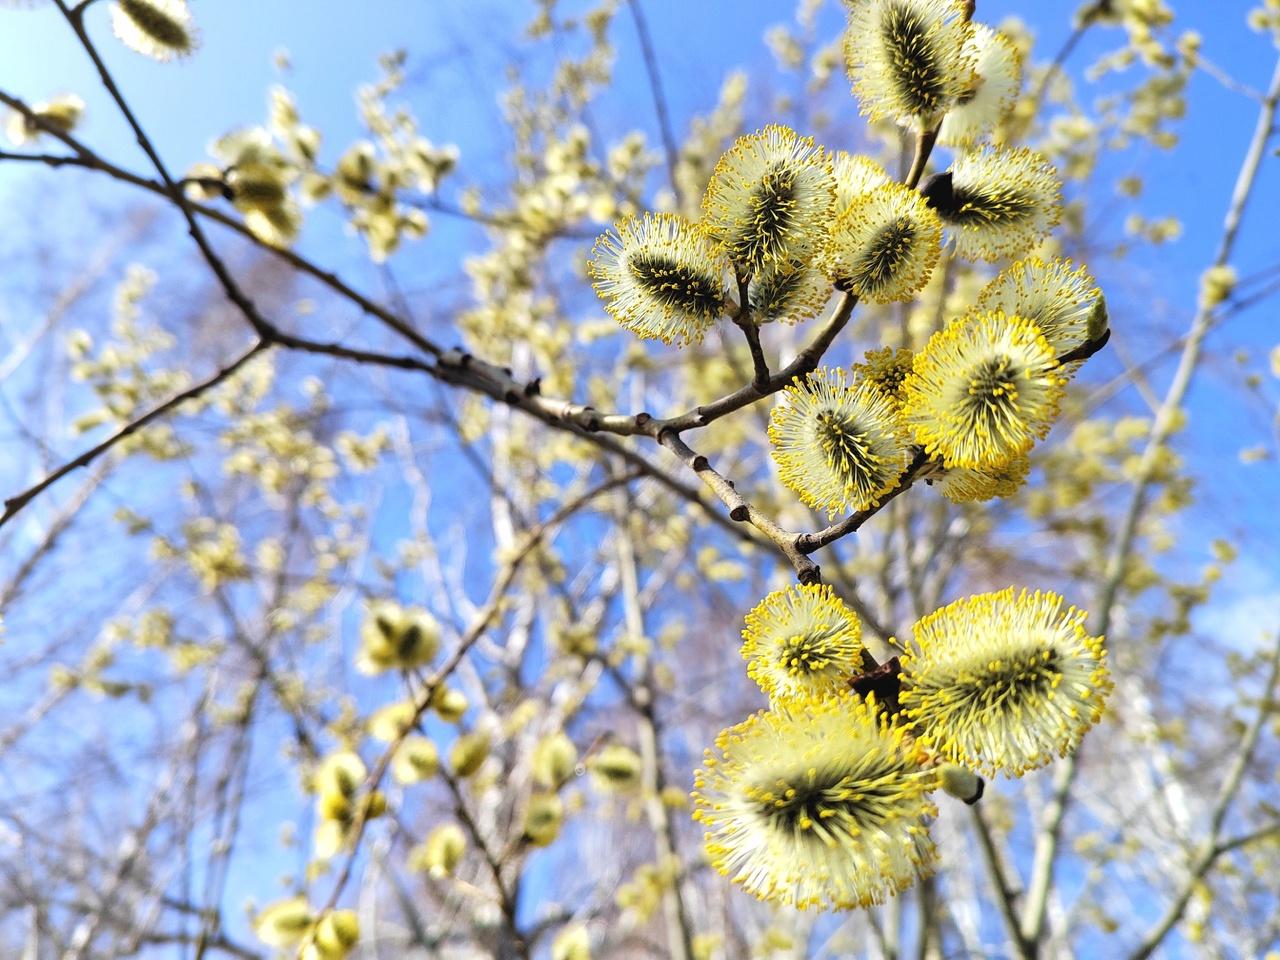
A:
(1212, 847)
(679, 927)
(740, 510)
(1006, 894)
(809, 542)
(506, 894)
(924, 146)
(760, 366)
(480, 623)
(17, 502)
(1047, 842)
(669, 148)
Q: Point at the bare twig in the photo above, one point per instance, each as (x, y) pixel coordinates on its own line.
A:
(760, 377)
(669, 148)
(17, 502)
(1213, 847)
(809, 542)
(1006, 894)
(507, 894)
(924, 146)
(675, 911)
(480, 622)
(1047, 841)
(740, 510)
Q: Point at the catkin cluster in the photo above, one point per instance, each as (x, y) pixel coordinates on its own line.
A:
(823, 800)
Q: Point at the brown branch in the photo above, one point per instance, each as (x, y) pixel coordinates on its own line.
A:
(497, 381)
(659, 101)
(506, 895)
(924, 146)
(16, 503)
(461, 368)
(740, 510)
(808, 542)
(804, 364)
(760, 366)
(481, 622)
(1085, 350)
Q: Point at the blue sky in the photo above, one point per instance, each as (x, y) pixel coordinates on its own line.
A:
(458, 52)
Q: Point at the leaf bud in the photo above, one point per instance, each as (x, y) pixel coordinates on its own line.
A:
(543, 818)
(961, 782)
(468, 752)
(555, 760)
(615, 768)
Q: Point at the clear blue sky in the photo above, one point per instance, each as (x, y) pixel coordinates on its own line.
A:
(459, 49)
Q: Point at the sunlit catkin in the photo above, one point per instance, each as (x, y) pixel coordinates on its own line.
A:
(1003, 682)
(159, 29)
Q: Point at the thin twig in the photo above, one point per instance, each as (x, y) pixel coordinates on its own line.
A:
(1060, 60)
(480, 622)
(1006, 894)
(740, 510)
(1212, 847)
(806, 362)
(760, 366)
(17, 502)
(506, 895)
(809, 542)
(669, 148)
(924, 146)
(1166, 420)
(675, 910)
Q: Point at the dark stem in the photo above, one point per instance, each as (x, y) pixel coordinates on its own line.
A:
(16, 503)
(924, 147)
(806, 543)
(1085, 350)
(659, 101)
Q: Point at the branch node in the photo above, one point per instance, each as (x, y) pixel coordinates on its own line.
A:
(982, 788)
(882, 681)
(741, 513)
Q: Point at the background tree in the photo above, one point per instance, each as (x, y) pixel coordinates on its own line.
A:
(342, 572)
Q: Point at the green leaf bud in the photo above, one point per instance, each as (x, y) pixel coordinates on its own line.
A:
(615, 768)
(284, 923)
(555, 760)
(543, 818)
(468, 752)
